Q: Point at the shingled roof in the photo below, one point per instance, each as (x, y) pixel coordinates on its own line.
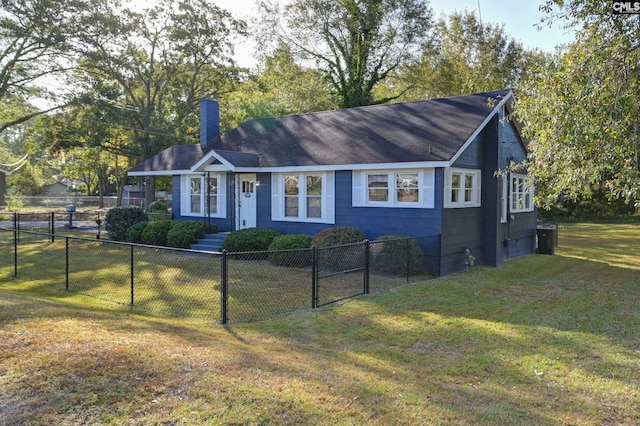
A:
(422, 131)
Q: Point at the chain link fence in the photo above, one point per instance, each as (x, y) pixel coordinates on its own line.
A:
(225, 287)
(51, 222)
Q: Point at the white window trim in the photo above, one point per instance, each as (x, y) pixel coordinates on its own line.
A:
(476, 190)
(528, 190)
(221, 198)
(327, 199)
(426, 189)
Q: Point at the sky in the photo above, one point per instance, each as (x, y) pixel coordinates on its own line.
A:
(519, 19)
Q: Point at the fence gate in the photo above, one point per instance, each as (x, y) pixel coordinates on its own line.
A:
(341, 273)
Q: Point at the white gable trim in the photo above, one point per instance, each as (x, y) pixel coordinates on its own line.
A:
(205, 161)
(469, 141)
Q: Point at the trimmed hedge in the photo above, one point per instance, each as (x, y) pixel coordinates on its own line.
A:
(155, 233)
(119, 219)
(391, 253)
(293, 255)
(158, 210)
(183, 234)
(344, 257)
(252, 239)
(133, 233)
(158, 207)
(338, 236)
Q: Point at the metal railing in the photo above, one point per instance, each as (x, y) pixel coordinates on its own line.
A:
(228, 287)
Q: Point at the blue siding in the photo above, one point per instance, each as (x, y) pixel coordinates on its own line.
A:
(373, 221)
(510, 146)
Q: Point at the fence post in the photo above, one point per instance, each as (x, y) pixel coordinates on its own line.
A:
(66, 263)
(367, 263)
(314, 277)
(131, 259)
(15, 251)
(52, 222)
(16, 223)
(224, 280)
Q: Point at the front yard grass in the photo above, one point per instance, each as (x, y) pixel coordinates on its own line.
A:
(545, 340)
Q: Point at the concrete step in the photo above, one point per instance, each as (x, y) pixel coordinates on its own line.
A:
(210, 242)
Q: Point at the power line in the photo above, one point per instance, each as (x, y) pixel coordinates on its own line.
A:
(16, 163)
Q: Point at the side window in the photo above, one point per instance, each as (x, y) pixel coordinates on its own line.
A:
(521, 194)
(462, 188)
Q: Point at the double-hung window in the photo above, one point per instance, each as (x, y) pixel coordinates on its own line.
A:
(303, 197)
(387, 188)
(521, 194)
(203, 195)
(462, 188)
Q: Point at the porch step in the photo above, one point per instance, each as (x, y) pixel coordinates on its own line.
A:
(210, 242)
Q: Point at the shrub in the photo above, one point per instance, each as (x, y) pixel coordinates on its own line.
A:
(293, 255)
(155, 233)
(157, 210)
(183, 234)
(119, 219)
(157, 207)
(390, 254)
(342, 258)
(252, 239)
(133, 234)
(338, 236)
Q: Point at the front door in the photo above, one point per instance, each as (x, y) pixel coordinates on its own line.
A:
(246, 205)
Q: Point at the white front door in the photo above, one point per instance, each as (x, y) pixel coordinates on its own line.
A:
(246, 205)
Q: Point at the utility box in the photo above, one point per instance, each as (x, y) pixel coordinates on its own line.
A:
(546, 239)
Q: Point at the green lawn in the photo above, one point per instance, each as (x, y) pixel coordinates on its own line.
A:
(541, 340)
(170, 282)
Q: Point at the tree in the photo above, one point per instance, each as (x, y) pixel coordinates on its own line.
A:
(356, 43)
(162, 61)
(278, 87)
(35, 42)
(466, 56)
(581, 110)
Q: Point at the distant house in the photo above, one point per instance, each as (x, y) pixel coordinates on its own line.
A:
(417, 168)
(56, 189)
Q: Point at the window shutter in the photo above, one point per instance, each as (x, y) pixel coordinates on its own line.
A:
(447, 188)
(477, 190)
(357, 188)
(428, 188)
(277, 203)
(330, 189)
(184, 194)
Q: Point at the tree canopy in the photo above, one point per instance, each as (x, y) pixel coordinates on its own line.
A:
(356, 44)
(468, 56)
(581, 110)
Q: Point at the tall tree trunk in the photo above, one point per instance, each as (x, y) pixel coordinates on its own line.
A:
(149, 190)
